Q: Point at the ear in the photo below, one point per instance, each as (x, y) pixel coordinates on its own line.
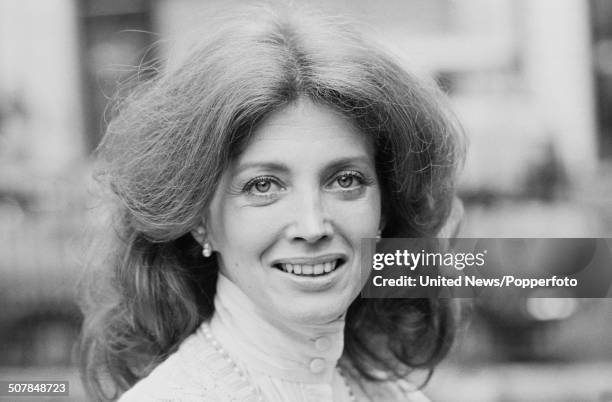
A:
(383, 223)
(199, 234)
(452, 227)
(206, 226)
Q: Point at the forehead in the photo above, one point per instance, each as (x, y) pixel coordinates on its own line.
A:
(306, 128)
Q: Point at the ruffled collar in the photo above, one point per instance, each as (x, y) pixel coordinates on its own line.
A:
(294, 352)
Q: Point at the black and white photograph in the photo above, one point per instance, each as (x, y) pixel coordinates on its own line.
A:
(306, 201)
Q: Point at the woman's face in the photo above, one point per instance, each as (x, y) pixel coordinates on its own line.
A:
(288, 216)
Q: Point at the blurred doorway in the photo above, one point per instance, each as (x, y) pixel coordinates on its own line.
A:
(116, 40)
(601, 18)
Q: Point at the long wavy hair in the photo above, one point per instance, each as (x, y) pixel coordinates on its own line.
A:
(175, 134)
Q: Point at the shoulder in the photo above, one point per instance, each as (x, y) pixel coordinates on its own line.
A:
(173, 379)
(195, 372)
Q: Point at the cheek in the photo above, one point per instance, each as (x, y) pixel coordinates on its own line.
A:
(247, 231)
(359, 219)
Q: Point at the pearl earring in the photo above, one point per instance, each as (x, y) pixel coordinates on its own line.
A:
(378, 236)
(206, 250)
(201, 236)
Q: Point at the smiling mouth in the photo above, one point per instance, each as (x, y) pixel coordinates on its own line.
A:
(320, 269)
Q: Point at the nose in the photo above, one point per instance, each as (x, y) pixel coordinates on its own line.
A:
(310, 221)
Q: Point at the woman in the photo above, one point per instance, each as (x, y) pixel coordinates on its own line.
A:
(245, 178)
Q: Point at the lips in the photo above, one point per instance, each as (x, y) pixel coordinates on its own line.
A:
(310, 267)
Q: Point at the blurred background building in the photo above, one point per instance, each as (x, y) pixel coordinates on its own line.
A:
(530, 80)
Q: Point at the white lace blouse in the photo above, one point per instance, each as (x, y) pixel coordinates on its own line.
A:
(243, 355)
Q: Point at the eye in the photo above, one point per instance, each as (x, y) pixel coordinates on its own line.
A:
(345, 180)
(263, 186)
(348, 180)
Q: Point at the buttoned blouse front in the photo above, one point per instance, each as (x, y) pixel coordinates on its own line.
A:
(286, 361)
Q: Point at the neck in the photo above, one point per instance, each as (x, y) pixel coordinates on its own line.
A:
(293, 351)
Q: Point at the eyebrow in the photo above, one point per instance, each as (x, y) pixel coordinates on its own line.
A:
(343, 162)
(283, 168)
(276, 166)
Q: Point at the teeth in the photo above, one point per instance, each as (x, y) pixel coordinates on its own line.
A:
(310, 270)
(328, 266)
